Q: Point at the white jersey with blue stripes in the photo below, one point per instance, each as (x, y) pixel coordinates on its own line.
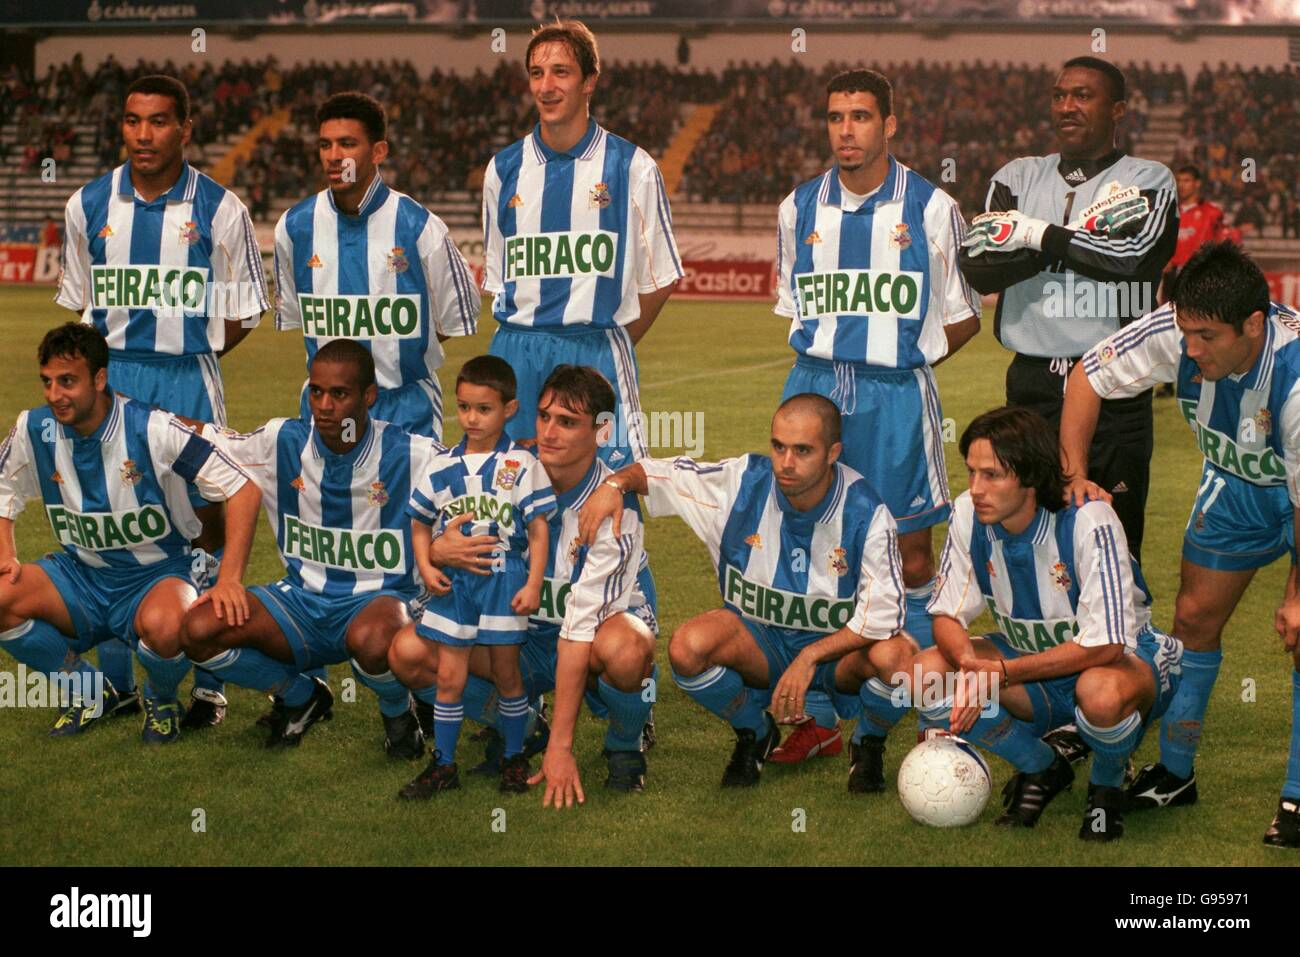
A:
(1067, 577)
(390, 278)
(875, 281)
(571, 239)
(339, 520)
(161, 277)
(119, 497)
(1247, 425)
(834, 566)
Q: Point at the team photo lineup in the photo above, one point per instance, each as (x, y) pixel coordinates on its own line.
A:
(911, 596)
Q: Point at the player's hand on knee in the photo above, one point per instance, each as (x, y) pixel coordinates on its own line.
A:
(1080, 491)
(229, 602)
(12, 569)
(1287, 622)
(789, 694)
(603, 503)
(560, 772)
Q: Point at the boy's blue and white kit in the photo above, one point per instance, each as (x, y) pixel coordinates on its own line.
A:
(120, 503)
(504, 489)
(792, 577)
(390, 278)
(340, 526)
(160, 279)
(570, 241)
(1247, 426)
(869, 284)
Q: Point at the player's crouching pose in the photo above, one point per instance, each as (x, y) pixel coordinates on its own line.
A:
(595, 630)
(335, 493)
(1076, 642)
(116, 478)
(1235, 357)
(506, 490)
(812, 588)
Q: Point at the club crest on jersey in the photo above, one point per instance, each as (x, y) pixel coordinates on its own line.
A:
(1264, 422)
(1061, 576)
(574, 547)
(397, 261)
(754, 541)
(838, 562)
(314, 262)
(130, 474)
(508, 474)
(900, 237)
(813, 239)
(515, 201)
(599, 198)
(189, 232)
(56, 478)
(106, 231)
(377, 495)
(298, 483)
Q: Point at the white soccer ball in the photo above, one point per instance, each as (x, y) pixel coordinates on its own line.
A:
(944, 782)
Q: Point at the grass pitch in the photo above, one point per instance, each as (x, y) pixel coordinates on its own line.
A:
(106, 799)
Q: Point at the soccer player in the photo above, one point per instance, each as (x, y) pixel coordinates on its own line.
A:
(1075, 640)
(1074, 243)
(335, 493)
(361, 261)
(595, 629)
(578, 243)
(1199, 222)
(867, 266)
(808, 567)
(162, 260)
(1235, 359)
(118, 480)
(504, 487)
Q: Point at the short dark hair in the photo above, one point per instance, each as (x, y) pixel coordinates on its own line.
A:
(575, 35)
(581, 388)
(1222, 283)
(819, 406)
(1025, 445)
(73, 339)
(353, 105)
(349, 352)
(493, 372)
(1190, 168)
(865, 81)
(1115, 83)
(158, 84)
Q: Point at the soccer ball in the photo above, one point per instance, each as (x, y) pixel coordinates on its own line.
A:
(944, 782)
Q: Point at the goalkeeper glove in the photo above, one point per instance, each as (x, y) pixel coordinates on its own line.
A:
(1122, 211)
(1004, 232)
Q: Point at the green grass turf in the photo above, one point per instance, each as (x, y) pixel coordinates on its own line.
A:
(106, 799)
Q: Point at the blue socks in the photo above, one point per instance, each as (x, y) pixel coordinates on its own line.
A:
(447, 719)
(38, 645)
(428, 694)
(1110, 747)
(394, 699)
(818, 704)
(879, 712)
(115, 662)
(1180, 729)
(480, 700)
(165, 674)
(1291, 789)
(917, 620)
(249, 668)
(1006, 736)
(513, 720)
(627, 715)
(723, 692)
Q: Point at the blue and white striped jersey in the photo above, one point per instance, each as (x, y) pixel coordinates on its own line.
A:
(1067, 577)
(1247, 425)
(874, 282)
(584, 584)
(572, 238)
(390, 278)
(833, 566)
(120, 497)
(504, 490)
(161, 277)
(339, 520)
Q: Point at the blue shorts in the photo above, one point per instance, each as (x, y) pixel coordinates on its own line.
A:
(415, 407)
(534, 353)
(780, 648)
(183, 385)
(316, 626)
(1053, 699)
(102, 602)
(477, 609)
(1236, 525)
(892, 428)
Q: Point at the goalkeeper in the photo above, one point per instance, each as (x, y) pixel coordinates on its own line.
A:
(1074, 244)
